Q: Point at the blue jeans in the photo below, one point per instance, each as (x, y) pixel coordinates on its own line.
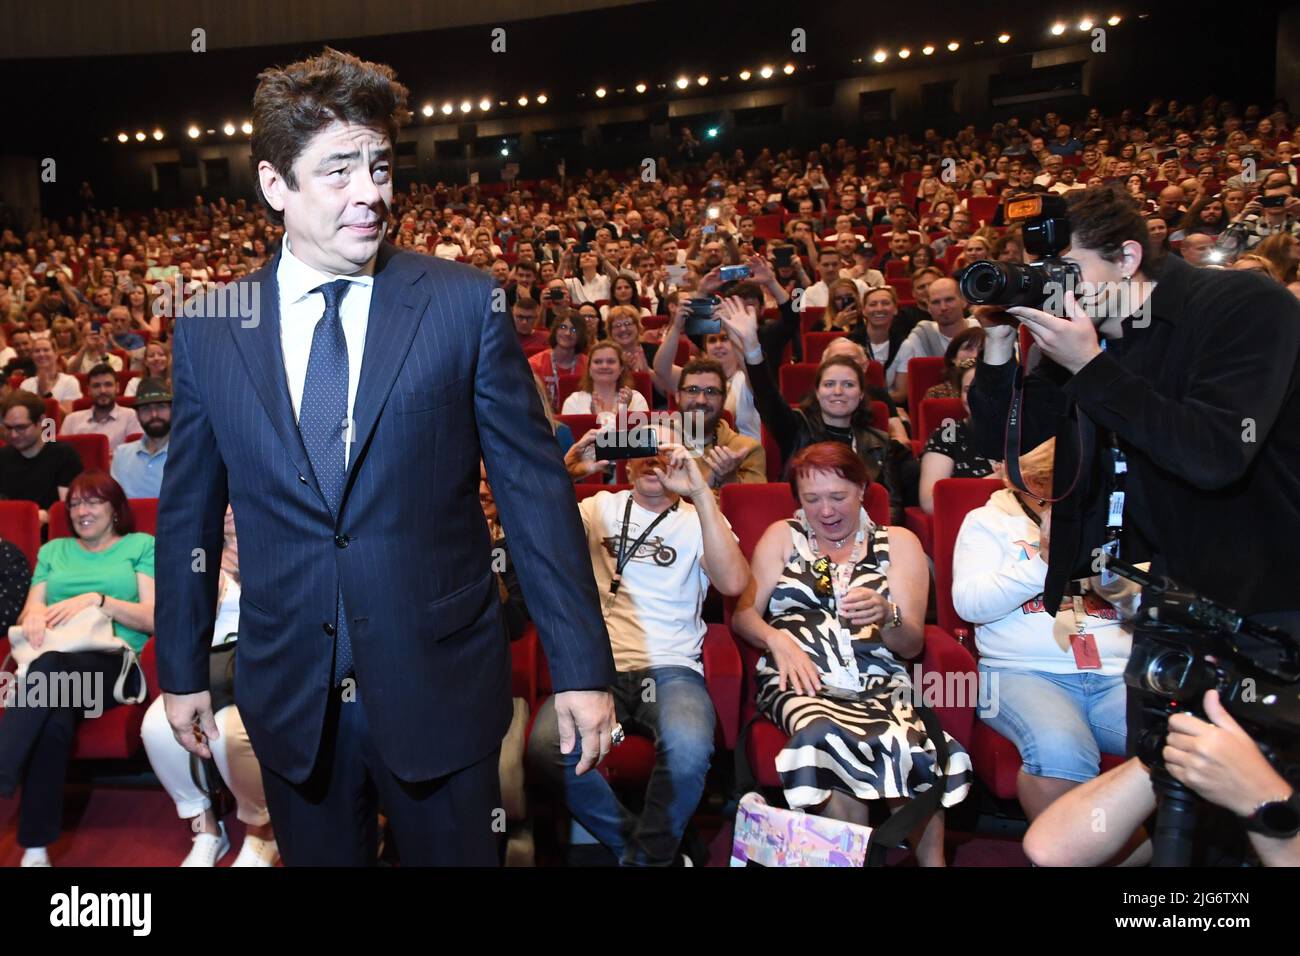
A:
(1061, 723)
(669, 704)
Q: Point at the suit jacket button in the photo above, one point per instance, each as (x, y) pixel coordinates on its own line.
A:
(342, 540)
(328, 629)
(303, 479)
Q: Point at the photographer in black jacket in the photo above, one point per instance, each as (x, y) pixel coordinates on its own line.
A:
(1194, 372)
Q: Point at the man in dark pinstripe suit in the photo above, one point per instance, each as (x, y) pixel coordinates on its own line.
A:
(372, 666)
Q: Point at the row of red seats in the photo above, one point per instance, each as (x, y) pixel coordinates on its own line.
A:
(729, 662)
(116, 734)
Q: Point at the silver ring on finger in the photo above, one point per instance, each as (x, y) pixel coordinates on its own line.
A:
(617, 736)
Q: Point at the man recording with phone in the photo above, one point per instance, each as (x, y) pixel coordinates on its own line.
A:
(1192, 374)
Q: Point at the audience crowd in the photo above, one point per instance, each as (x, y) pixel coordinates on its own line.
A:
(817, 367)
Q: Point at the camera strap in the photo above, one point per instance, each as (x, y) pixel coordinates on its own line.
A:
(1011, 442)
(625, 554)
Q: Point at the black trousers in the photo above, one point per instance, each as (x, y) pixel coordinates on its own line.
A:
(36, 741)
(330, 819)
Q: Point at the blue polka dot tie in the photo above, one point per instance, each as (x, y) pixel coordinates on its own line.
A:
(323, 424)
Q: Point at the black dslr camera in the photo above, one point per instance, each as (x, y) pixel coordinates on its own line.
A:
(1046, 231)
(1183, 645)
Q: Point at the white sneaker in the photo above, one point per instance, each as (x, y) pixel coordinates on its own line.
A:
(257, 852)
(35, 856)
(208, 849)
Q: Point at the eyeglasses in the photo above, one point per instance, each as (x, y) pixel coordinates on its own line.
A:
(74, 503)
(709, 391)
(625, 324)
(566, 328)
(19, 428)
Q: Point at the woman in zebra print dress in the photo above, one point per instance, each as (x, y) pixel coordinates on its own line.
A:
(832, 675)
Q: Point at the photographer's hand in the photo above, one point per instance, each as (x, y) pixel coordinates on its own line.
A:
(1070, 342)
(999, 334)
(1219, 760)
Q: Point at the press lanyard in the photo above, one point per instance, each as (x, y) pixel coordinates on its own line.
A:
(846, 667)
(624, 556)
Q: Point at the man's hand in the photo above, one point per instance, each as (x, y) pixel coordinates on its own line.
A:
(1070, 342)
(575, 461)
(682, 476)
(591, 714)
(723, 462)
(192, 721)
(1219, 760)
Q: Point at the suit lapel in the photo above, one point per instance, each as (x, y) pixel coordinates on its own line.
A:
(396, 306)
(259, 346)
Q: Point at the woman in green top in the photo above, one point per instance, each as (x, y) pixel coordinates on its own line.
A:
(104, 565)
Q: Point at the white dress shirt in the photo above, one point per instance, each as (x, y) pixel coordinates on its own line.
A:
(301, 309)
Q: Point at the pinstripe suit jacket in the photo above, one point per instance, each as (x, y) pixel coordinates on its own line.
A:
(443, 381)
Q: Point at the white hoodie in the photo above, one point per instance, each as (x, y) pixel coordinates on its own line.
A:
(997, 585)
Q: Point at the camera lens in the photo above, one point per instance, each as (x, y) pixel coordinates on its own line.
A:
(1002, 283)
(1167, 672)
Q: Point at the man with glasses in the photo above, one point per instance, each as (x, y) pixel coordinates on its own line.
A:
(31, 468)
(722, 454)
(138, 465)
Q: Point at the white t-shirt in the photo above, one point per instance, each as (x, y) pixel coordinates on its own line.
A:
(582, 291)
(924, 341)
(448, 250)
(654, 620)
(66, 387)
(997, 585)
(817, 295)
(579, 403)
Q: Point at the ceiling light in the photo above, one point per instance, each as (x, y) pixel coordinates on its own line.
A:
(765, 72)
(927, 50)
(954, 46)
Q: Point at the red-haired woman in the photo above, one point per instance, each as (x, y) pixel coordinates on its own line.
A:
(106, 565)
(837, 604)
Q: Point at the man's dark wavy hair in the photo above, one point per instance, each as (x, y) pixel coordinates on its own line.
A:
(1103, 218)
(295, 102)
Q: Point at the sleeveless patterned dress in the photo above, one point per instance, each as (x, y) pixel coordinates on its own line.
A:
(872, 748)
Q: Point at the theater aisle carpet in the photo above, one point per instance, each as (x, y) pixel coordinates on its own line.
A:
(110, 825)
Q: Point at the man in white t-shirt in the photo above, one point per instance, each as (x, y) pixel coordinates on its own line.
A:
(829, 264)
(931, 336)
(669, 550)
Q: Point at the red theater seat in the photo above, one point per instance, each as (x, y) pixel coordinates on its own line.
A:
(922, 374)
(93, 450)
(116, 734)
(20, 525)
(751, 509)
